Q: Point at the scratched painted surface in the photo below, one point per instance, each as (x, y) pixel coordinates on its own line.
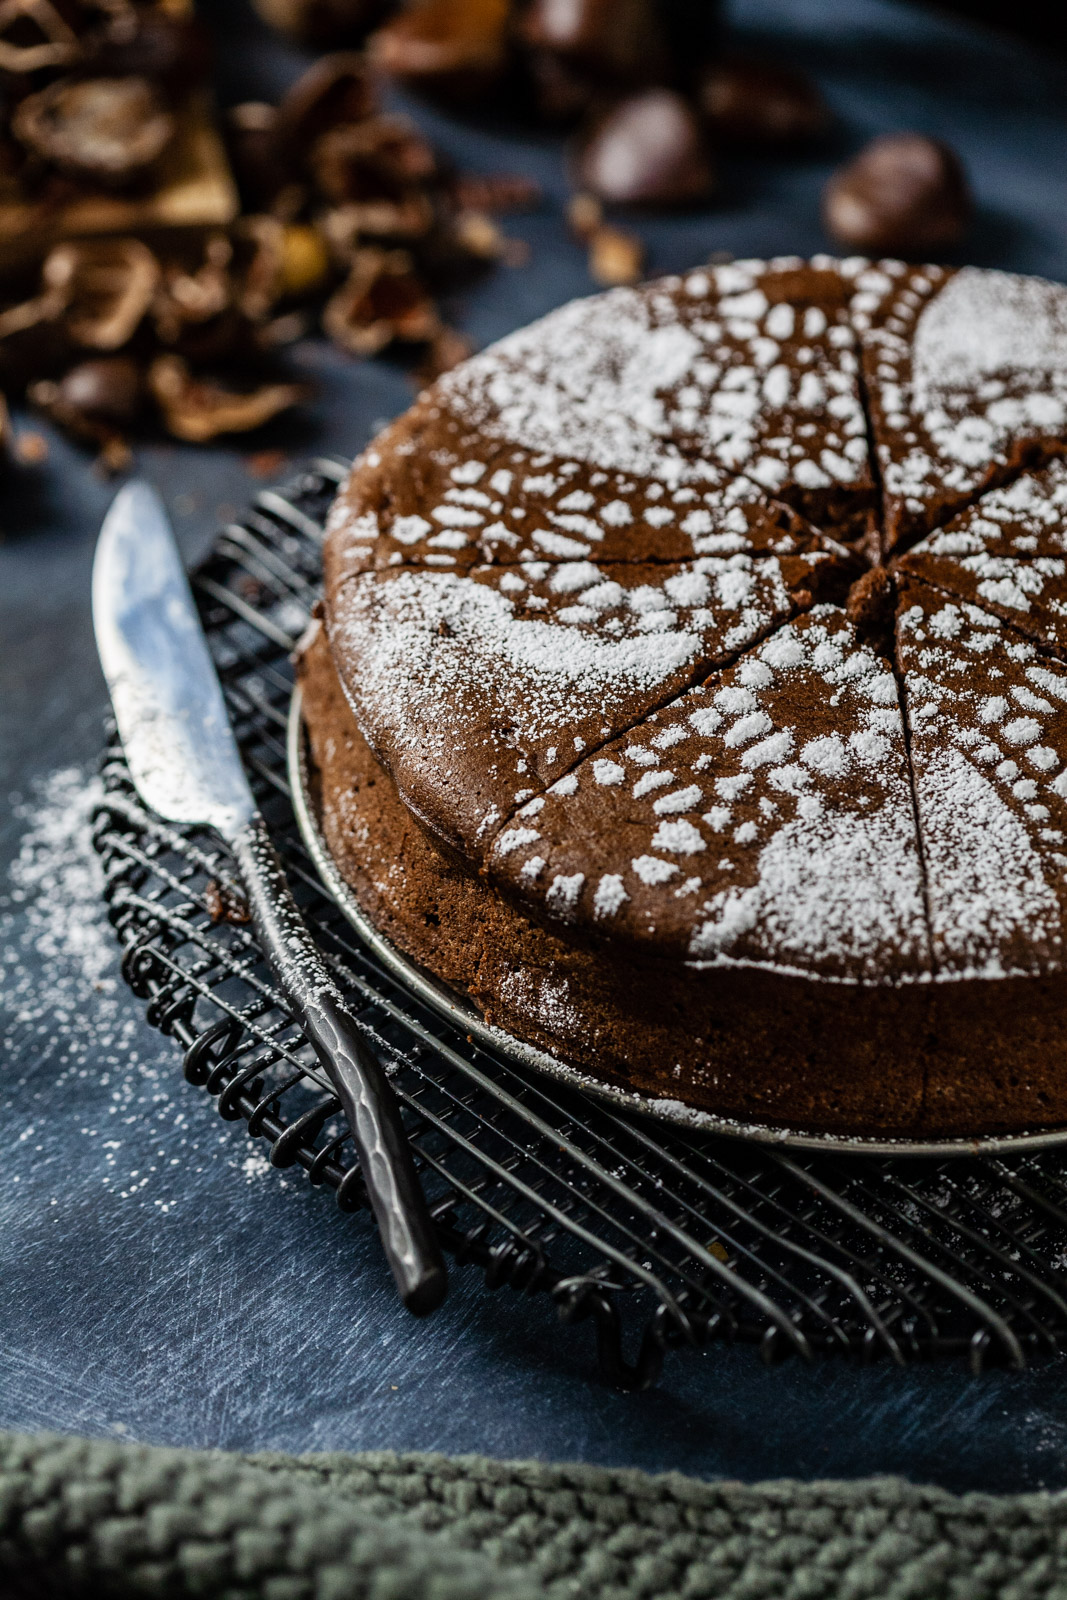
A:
(158, 1282)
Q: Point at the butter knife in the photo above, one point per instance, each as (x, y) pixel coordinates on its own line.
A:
(184, 761)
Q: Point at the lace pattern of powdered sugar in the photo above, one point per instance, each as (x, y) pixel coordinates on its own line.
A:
(1025, 518)
(764, 852)
(963, 369)
(539, 507)
(427, 640)
(988, 718)
(1009, 551)
(752, 824)
(624, 375)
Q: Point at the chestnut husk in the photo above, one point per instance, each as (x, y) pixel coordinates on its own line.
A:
(380, 301)
(106, 286)
(195, 311)
(336, 89)
(346, 227)
(198, 408)
(110, 131)
(380, 158)
(35, 37)
(324, 24)
(452, 49)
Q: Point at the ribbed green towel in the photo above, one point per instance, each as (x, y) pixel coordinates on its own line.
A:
(96, 1519)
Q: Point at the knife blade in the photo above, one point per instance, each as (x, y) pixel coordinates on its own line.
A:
(186, 766)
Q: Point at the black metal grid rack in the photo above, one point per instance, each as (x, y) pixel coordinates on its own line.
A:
(664, 1238)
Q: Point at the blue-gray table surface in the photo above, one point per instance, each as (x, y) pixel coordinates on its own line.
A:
(157, 1280)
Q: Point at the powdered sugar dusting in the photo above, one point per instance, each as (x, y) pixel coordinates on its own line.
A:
(963, 369)
(607, 677)
(781, 834)
(990, 782)
(644, 380)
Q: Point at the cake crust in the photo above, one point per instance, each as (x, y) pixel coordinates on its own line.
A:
(589, 606)
(755, 1047)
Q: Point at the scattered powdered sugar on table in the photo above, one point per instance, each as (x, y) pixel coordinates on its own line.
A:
(74, 1037)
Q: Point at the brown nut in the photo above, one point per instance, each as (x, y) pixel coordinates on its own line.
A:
(198, 409)
(323, 23)
(904, 194)
(337, 89)
(94, 400)
(34, 36)
(648, 150)
(615, 257)
(614, 40)
(380, 158)
(381, 300)
(752, 103)
(105, 287)
(454, 48)
(109, 130)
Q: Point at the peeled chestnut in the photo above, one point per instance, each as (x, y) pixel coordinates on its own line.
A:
(750, 103)
(904, 194)
(648, 150)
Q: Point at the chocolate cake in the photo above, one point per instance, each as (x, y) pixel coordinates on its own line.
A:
(692, 691)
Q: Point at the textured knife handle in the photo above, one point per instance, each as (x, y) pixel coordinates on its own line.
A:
(365, 1094)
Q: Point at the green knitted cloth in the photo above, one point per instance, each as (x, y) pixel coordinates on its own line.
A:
(96, 1519)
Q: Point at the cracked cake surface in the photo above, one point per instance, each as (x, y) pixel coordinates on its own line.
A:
(714, 632)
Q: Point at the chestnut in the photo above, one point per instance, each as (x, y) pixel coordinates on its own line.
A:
(904, 194)
(648, 149)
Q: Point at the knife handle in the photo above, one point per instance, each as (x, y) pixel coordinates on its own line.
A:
(366, 1096)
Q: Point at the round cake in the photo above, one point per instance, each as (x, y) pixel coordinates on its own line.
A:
(691, 691)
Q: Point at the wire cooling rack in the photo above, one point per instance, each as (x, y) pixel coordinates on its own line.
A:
(664, 1238)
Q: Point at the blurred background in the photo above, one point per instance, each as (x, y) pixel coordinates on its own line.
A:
(187, 197)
